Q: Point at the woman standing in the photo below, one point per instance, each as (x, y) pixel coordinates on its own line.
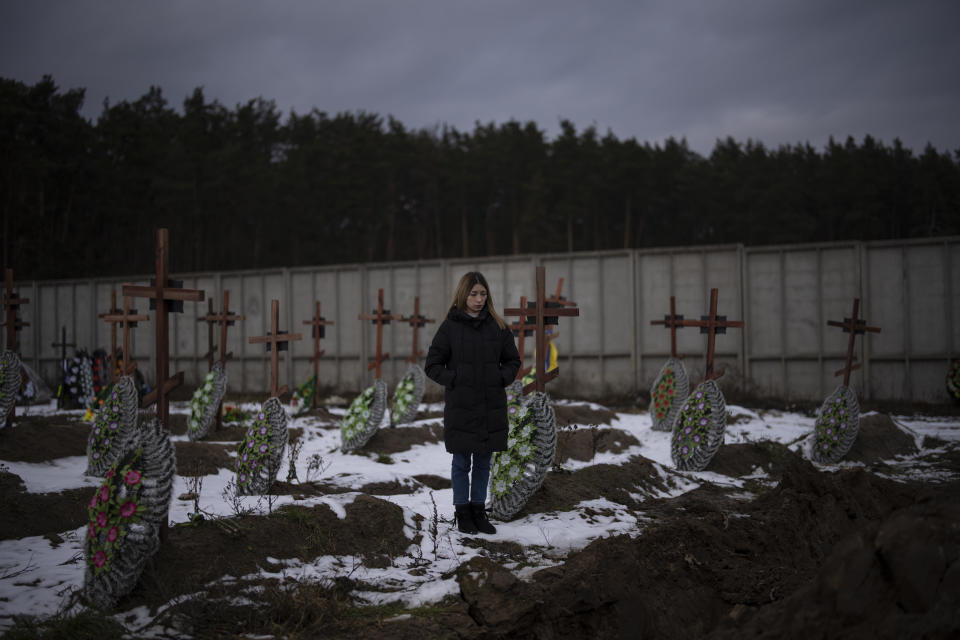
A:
(474, 357)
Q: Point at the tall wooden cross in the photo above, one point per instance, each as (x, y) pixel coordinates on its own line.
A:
(544, 315)
(63, 344)
(712, 325)
(166, 296)
(521, 331)
(379, 317)
(318, 324)
(211, 348)
(854, 326)
(12, 304)
(672, 322)
(225, 319)
(127, 319)
(276, 342)
(416, 321)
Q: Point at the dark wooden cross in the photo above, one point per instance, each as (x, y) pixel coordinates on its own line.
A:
(416, 321)
(63, 344)
(544, 315)
(211, 348)
(166, 296)
(521, 331)
(225, 319)
(13, 325)
(127, 319)
(276, 342)
(672, 322)
(712, 325)
(854, 326)
(379, 317)
(557, 300)
(318, 324)
(12, 304)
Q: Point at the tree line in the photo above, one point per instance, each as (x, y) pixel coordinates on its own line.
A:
(248, 188)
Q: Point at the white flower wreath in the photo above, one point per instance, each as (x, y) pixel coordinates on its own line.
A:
(532, 445)
(205, 402)
(364, 416)
(408, 395)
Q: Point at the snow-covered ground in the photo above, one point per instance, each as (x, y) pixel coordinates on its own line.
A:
(37, 575)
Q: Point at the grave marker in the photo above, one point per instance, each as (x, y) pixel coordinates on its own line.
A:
(380, 318)
(275, 341)
(126, 318)
(855, 327)
(317, 324)
(416, 321)
(712, 325)
(165, 296)
(671, 386)
(63, 344)
(225, 318)
(672, 322)
(13, 325)
(544, 315)
(521, 332)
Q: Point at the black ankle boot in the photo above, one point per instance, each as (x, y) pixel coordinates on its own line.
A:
(464, 517)
(480, 518)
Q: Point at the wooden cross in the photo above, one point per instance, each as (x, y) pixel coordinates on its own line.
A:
(379, 317)
(416, 321)
(557, 300)
(854, 326)
(63, 344)
(166, 297)
(127, 318)
(276, 341)
(712, 325)
(318, 323)
(544, 315)
(672, 322)
(12, 304)
(521, 331)
(225, 319)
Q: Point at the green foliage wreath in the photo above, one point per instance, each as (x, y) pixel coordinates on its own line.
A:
(260, 452)
(836, 427)
(699, 429)
(953, 380)
(667, 395)
(205, 402)
(408, 395)
(364, 416)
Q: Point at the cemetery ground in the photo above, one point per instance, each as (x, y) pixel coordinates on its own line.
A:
(616, 543)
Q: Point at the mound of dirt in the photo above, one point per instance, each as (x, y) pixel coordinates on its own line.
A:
(563, 491)
(203, 458)
(397, 439)
(582, 415)
(744, 459)
(197, 554)
(34, 514)
(699, 571)
(584, 444)
(42, 438)
(880, 438)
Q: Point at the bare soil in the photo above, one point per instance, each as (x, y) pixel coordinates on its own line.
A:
(807, 552)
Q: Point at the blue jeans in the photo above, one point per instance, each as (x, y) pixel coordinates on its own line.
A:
(469, 487)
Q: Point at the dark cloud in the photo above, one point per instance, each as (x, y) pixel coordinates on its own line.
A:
(778, 72)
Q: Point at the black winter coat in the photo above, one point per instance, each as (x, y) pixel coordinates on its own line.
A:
(474, 360)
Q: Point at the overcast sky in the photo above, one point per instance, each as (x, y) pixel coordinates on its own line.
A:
(778, 71)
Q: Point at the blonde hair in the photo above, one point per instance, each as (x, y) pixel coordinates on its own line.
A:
(462, 292)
